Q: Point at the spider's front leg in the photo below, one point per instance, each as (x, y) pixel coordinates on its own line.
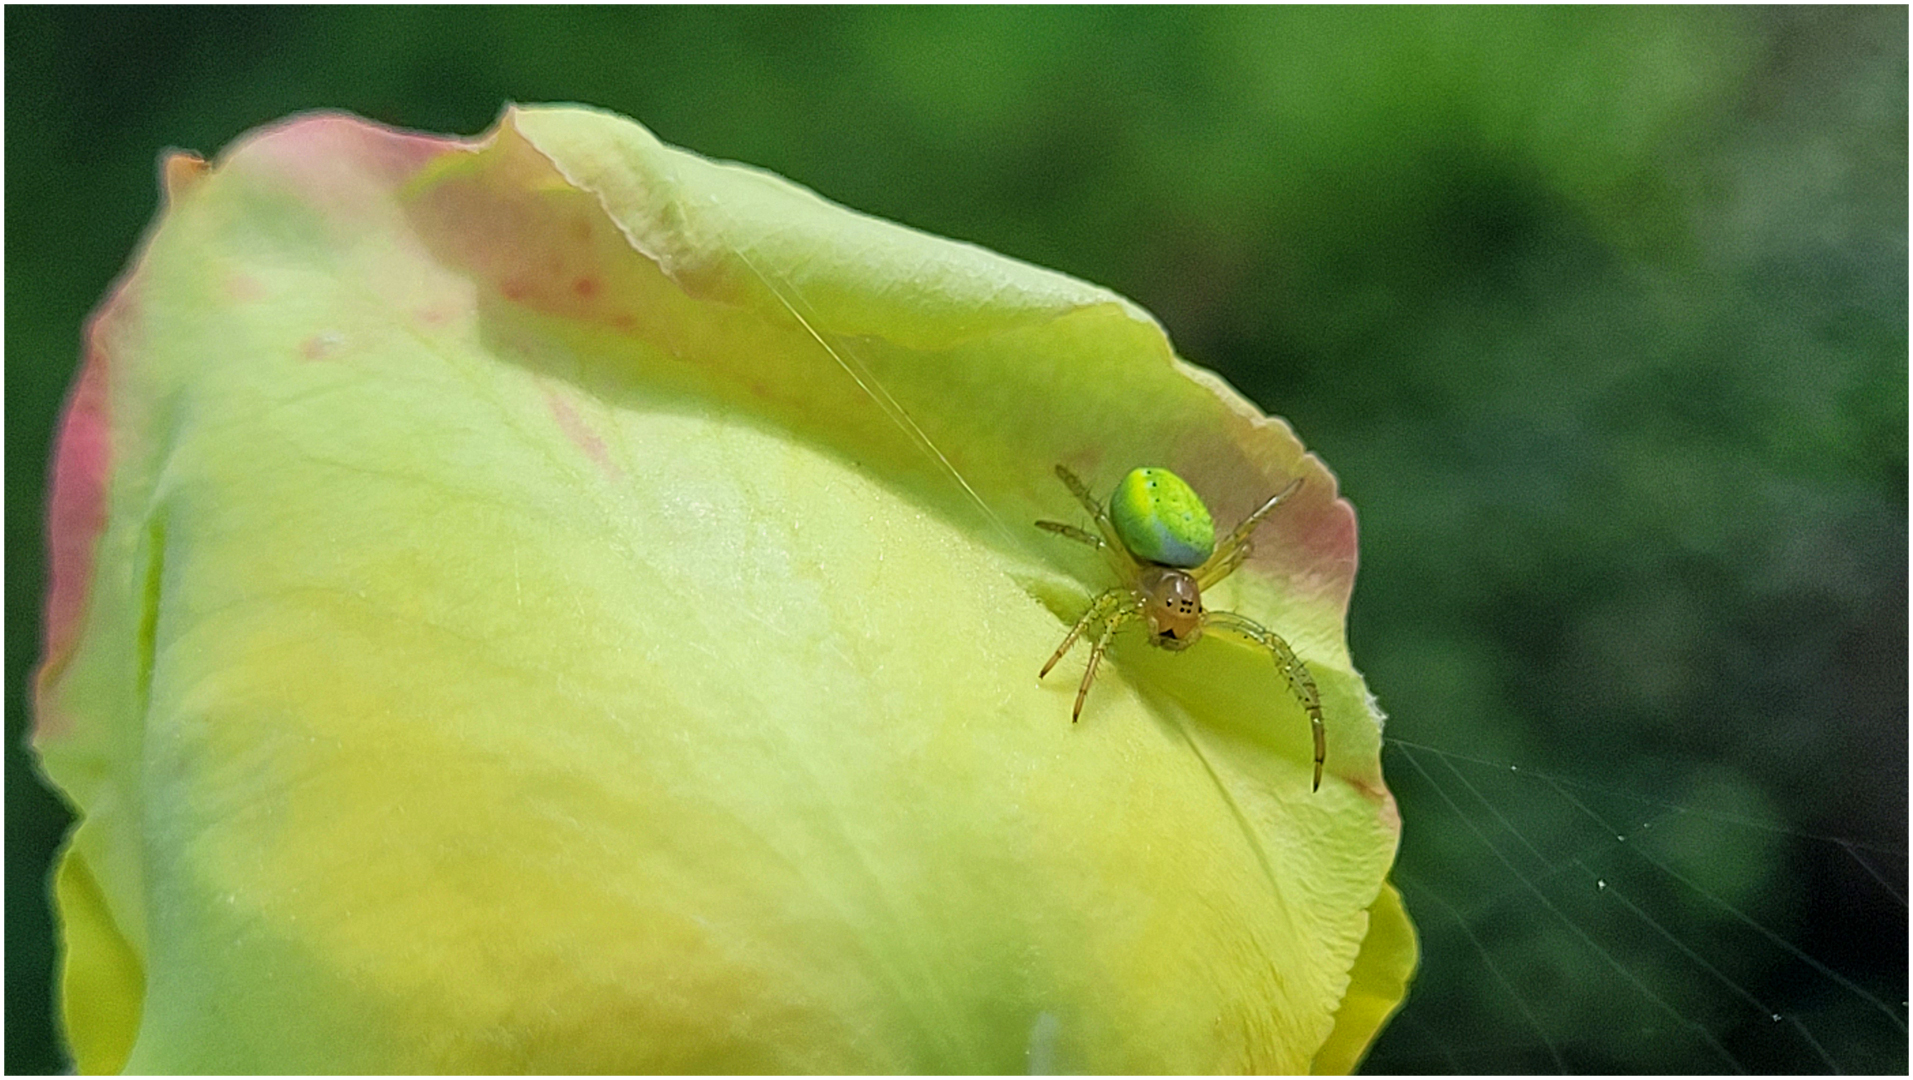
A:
(1301, 683)
(1108, 608)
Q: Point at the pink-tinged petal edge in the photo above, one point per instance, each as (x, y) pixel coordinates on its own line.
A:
(76, 516)
(335, 162)
(82, 456)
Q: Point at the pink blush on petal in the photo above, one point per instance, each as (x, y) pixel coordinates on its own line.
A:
(76, 516)
(580, 433)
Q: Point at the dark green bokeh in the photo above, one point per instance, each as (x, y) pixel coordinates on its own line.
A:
(1599, 314)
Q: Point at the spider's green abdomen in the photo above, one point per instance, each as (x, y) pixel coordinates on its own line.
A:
(1160, 518)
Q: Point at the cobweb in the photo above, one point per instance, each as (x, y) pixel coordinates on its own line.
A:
(1672, 923)
(1620, 931)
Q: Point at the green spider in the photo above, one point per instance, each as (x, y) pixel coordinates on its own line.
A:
(1162, 542)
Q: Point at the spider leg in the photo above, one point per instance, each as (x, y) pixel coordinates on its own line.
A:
(1081, 536)
(1095, 658)
(1081, 492)
(1301, 683)
(1111, 610)
(1098, 610)
(1112, 545)
(1235, 547)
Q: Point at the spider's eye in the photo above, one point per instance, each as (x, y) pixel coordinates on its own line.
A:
(1172, 605)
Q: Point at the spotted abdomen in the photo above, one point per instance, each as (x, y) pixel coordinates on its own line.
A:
(1161, 519)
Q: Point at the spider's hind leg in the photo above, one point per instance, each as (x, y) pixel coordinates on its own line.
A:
(1077, 488)
(1071, 532)
(1234, 547)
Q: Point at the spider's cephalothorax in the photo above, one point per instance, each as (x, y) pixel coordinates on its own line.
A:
(1171, 606)
(1160, 539)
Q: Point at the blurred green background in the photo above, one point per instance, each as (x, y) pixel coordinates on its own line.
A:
(1599, 314)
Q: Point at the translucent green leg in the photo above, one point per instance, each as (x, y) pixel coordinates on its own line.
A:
(1301, 683)
(1107, 608)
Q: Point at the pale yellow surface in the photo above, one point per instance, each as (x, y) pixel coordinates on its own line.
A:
(518, 643)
